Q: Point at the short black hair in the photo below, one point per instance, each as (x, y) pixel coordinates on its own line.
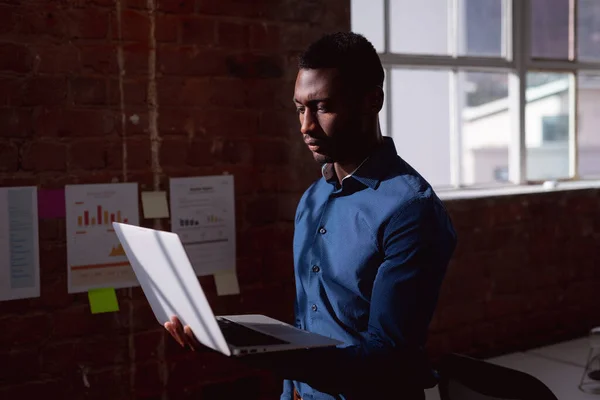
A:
(351, 54)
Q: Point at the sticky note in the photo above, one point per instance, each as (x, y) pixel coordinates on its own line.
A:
(51, 203)
(227, 283)
(154, 205)
(103, 300)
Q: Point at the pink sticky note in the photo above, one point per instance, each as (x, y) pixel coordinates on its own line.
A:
(51, 203)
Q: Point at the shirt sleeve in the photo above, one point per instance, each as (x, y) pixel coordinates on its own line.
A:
(416, 246)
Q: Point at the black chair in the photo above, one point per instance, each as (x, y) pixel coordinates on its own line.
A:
(466, 378)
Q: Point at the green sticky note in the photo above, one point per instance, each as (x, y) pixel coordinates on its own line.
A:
(103, 300)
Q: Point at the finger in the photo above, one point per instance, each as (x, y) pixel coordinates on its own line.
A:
(169, 327)
(191, 338)
(178, 330)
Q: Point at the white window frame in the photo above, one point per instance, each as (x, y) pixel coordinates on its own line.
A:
(517, 62)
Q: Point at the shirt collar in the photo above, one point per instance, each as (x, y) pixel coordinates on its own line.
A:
(372, 170)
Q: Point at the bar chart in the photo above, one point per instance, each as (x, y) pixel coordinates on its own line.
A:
(99, 217)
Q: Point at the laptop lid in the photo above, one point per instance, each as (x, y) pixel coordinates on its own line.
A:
(169, 282)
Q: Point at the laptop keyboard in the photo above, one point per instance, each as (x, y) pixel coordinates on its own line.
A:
(241, 336)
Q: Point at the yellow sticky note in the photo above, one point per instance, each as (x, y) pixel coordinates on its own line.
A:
(103, 300)
(154, 205)
(227, 283)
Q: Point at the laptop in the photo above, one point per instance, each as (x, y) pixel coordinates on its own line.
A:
(172, 288)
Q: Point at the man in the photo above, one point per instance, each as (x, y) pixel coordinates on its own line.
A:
(372, 240)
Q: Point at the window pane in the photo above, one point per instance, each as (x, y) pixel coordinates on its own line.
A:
(547, 128)
(480, 28)
(421, 121)
(486, 127)
(383, 112)
(550, 29)
(419, 27)
(367, 19)
(588, 30)
(588, 124)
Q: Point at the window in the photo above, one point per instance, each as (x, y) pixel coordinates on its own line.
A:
(489, 92)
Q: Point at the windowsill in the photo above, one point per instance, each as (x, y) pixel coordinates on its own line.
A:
(460, 194)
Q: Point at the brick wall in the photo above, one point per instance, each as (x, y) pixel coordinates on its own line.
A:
(141, 90)
(526, 273)
(89, 94)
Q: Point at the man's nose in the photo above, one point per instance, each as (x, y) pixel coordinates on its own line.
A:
(308, 122)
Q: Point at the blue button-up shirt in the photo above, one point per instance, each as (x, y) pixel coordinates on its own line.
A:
(369, 257)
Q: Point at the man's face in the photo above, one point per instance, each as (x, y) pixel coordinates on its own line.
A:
(329, 121)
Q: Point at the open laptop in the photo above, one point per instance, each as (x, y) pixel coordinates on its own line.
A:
(169, 282)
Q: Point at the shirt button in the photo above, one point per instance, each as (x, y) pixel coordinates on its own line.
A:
(314, 307)
(316, 268)
(322, 231)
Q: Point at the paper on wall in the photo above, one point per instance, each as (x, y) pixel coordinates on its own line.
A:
(154, 205)
(19, 243)
(203, 215)
(95, 256)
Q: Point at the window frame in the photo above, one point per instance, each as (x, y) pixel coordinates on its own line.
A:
(516, 61)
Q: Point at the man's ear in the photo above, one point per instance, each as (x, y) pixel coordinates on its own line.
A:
(374, 100)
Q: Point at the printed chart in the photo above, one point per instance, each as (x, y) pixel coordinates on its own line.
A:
(95, 256)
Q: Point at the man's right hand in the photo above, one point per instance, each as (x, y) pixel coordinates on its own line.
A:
(183, 335)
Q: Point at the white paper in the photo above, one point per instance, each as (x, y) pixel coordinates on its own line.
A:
(95, 256)
(227, 283)
(19, 243)
(203, 215)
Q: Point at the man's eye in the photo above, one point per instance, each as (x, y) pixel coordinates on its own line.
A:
(300, 110)
(322, 109)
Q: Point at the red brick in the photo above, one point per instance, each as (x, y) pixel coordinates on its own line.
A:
(88, 23)
(9, 157)
(48, 230)
(198, 31)
(183, 92)
(191, 61)
(93, 353)
(99, 58)
(265, 37)
(263, 210)
(135, 58)
(279, 124)
(15, 58)
(34, 390)
(44, 91)
(26, 329)
(21, 365)
(54, 293)
(268, 94)
(249, 66)
(8, 18)
(59, 122)
(233, 35)
(174, 152)
(147, 344)
(176, 6)
(147, 381)
(53, 256)
(134, 92)
(89, 91)
(44, 20)
(110, 383)
(57, 59)
(135, 26)
(78, 321)
(271, 153)
(10, 91)
(224, 122)
(138, 154)
(166, 28)
(87, 155)
(44, 156)
(457, 315)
